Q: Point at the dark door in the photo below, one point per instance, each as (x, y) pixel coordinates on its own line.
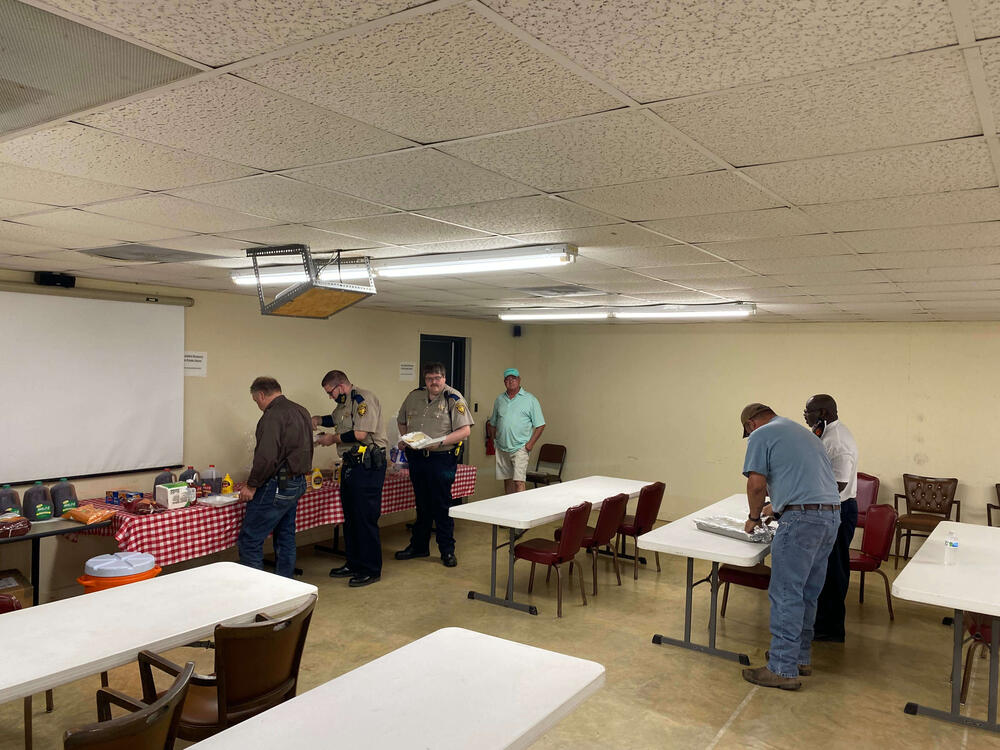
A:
(451, 351)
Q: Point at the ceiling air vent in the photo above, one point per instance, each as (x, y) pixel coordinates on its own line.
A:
(560, 290)
(147, 253)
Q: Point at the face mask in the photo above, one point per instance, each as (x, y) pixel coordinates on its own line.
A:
(819, 427)
(341, 399)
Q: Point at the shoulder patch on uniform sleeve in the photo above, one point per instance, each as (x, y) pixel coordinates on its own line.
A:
(362, 408)
(460, 407)
(454, 396)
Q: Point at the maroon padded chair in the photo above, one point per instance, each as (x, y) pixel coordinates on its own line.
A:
(548, 552)
(928, 502)
(756, 577)
(875, 545)
(981, 632)
(642, 522)
(867, 495)
(595, 537)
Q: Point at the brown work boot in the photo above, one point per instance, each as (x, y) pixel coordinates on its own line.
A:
(805, 670)
(766, 678)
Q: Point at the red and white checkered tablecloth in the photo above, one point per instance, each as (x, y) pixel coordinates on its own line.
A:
(184, 533)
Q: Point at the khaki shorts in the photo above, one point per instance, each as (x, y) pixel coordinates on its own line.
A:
(512, 465)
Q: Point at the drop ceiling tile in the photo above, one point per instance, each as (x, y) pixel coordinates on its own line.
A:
(928, 168)
(818, 264)
(456, 246)
(592, 275)
(278, 197)
(777, 247)
(701, 272)
(207, 243)
(290, 234)
(439, 76)
(798, 308)
(980, 234)
(531, 214)
(638, 288)
(22, 184)
(991, 61)
(740, 225)
(84, 222)
(167, 211)
(842, 277)
(910, 211)
(661, 49)
(9, 208)
(771, 294)
(27, 263)
(15, 232)
(931, 297)
(216, 32)
(250, 125)
(820, 289)
(707, 193)
(608, 150)
(95, 154)
(912, 99)
(609, 237)
(738, 283)
(847, 300)
(957, 305)
(398, 229)
(65, 261)
(918, 288)
(985, 18)
(679, 297)
(413, 180)
(978, 256)
(943, 273)
(17, 247)
(648, 257)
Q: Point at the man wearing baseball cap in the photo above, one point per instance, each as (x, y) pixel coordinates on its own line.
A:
(515, 425)
(786, 461)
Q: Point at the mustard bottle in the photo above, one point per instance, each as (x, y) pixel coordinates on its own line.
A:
(227, 484)
(316, 479)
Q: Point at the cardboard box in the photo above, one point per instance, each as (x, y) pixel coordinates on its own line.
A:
(12, 582)
(175, 495)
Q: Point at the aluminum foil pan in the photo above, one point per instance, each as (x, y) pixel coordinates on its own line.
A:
(733, 528)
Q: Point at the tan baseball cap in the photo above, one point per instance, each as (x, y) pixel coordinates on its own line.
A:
(749, 412)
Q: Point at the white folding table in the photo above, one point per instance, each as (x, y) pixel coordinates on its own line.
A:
(475, 691)
(682, 537)
(68, 639)
(972, 584)
(525, 510)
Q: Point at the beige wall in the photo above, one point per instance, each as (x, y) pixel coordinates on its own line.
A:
(662, 401)
(219, 416)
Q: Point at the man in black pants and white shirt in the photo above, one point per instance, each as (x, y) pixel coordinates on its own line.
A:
(821, 416)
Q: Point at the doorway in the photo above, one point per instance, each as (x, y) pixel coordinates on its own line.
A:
(447, 349)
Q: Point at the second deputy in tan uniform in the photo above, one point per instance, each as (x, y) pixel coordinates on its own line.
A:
(437, 410)
(361, 443)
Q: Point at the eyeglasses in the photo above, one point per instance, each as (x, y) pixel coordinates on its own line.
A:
(433, 377)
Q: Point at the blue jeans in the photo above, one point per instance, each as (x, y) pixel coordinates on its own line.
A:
(798, 568)
(271, 511)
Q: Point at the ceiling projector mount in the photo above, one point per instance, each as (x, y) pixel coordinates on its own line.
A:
(315, 297)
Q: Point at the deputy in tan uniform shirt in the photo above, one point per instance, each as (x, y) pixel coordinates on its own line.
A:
(361, 443)
(438, 410)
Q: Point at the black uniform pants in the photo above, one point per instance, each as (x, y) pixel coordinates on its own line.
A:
(432, 476)
(830, 610)
(361, 497)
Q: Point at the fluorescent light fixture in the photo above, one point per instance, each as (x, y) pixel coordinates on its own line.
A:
(445, 264)
(452, 264)
(558, 314)
(690, 312)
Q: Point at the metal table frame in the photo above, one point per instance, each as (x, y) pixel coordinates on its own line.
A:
(508, 599)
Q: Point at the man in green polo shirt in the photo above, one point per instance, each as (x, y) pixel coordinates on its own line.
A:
(515, 425)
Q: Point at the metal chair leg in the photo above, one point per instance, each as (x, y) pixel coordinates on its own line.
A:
(49, 703)
(583, 594)
(657, 559)
(725, 599)
(861, 593)
(635, 558)
(618, 572)
(548, 573)
(27, 722)
(531, 578)
(888, 593)
(909, 536)
(899, 536)
(967, 672)
(559, 592)
(593, 553)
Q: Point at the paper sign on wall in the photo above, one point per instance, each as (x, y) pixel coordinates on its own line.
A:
(195, 364)
(407, 370)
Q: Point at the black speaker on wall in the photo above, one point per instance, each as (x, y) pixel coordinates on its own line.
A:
(47, 278)
(515, 331)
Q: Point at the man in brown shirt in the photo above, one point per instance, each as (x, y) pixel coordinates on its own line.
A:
(277, 480)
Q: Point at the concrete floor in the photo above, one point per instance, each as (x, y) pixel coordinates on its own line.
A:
(655, 696)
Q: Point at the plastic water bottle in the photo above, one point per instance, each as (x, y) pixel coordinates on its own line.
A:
(63, 497)
(10, 501)
(191, 476)
(213, 479)
(951, 548)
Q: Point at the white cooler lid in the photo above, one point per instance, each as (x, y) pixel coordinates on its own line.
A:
(119, 564)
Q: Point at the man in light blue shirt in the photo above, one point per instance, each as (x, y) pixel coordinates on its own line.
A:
(787, 462)
(515, 425)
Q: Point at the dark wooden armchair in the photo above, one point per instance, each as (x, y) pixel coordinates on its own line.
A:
(928, 502)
